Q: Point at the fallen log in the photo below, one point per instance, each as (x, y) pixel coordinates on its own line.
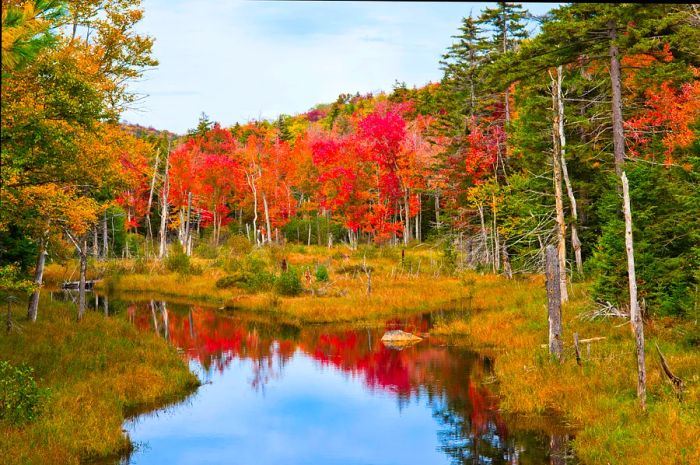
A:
(675, 380)
(76, 284)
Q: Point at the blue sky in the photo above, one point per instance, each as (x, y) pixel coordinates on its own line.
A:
(242, 60)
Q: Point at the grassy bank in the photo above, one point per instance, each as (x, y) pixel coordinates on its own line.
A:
(92, 372)
(419, 282)
(506, 317)
(599, 397)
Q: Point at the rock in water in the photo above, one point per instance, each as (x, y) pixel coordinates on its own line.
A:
(398, 340)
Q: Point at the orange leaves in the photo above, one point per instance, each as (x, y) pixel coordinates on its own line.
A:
(668, 115)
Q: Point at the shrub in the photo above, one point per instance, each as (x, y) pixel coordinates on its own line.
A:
(231, 280)
(259, 281)
(207, 250)
(449, 257)
(353, 269)
(178, 262)
(232, 265)
(366, 251)
(239, 245)
(19, 394)
(321, 273)
(254, 264)
(289, 283)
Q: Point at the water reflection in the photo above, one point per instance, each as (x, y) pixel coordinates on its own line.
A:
(327, 395)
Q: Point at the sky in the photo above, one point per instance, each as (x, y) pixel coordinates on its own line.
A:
(243, 60)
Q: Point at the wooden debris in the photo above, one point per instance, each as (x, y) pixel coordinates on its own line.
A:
(677, 383)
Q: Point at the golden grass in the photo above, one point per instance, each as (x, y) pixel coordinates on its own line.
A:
(395, 289)
(507, 318)
(94, 371)
(598, 398)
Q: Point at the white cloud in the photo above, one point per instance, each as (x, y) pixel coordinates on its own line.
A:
(242, 60)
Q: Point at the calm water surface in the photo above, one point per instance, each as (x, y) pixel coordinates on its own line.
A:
(279, 394)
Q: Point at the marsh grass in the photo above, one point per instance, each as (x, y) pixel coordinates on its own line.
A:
(93, 373)
(599, 397)
(505, 318)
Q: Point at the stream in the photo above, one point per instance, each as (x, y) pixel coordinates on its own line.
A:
(276, 393)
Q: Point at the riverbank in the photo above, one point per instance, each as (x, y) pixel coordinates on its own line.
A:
(92, 373)
(597, 398)
(504, 317)
(417, 282)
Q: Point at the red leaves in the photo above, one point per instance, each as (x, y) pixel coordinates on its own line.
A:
(484, 143)
(363, 175)
(669, 113)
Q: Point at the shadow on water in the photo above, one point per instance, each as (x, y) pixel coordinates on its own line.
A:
(426, 402)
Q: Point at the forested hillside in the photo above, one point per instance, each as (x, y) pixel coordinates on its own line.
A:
(398, 238)
(520, 145)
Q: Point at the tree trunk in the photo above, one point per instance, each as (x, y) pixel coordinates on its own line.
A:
(149, 230)
(407, 224)
(437, 211)
(558, 194)
(105, 237)
(617, 121)
(496, 246)
(95, 243)
(33, 307)
(635, 313)
(82, 252)
(486, 258)
(554, 301)
(253, 188)
(575, 242)
(188, 227)
(163, 251)
(267, 219)
(507, 270)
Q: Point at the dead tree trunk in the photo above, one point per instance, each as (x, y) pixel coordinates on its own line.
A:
(267, 219)
(149, 231)
(557, 175)
(163, 251)
(33, 307)
(554, 302)
(635, 313)
(486, 258)
(615, 80)
(105, 237)
(575, 242)
(437, 211)
(82, 252)
(496, 247)
(188, 229)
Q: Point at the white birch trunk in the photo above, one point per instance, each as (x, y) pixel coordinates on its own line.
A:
(558, 194)
(635, 313)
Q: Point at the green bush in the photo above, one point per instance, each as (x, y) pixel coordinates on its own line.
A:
(289, 283)
(19, 394)
(239, 245)
(178, 262)
(232, 265)
(322, 273)
(449, 257)
(207, 250)
(254, 264)
(235, 279)
(259, 281)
